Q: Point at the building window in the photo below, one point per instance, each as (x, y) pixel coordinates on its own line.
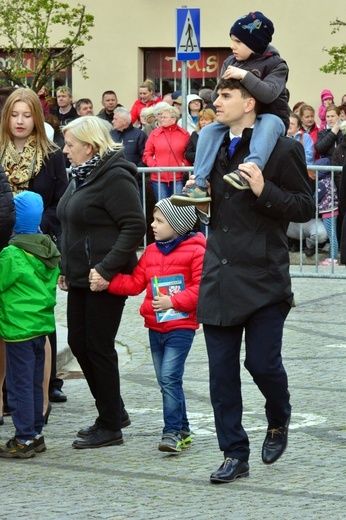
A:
(162, 67)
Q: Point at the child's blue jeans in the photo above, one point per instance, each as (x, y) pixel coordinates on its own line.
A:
(24, 378)
(267, 130)
(169, 351)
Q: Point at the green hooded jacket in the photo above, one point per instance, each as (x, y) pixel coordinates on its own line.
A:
(29, 269)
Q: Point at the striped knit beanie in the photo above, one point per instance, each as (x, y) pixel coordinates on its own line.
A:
(181, 218)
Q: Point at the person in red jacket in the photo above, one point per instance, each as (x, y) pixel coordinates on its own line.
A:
(146, 98)
(170, 272)
(166, 146)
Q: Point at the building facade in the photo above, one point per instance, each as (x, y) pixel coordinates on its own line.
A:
(136, 39)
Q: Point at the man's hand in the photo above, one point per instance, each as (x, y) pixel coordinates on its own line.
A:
(234, 73)
(254, 176)
(97, 283)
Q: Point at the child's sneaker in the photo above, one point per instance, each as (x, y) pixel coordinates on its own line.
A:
(186, 439)
(14, 449)
(39, 444)
(237, 180)
(191, 196)
(171, 443)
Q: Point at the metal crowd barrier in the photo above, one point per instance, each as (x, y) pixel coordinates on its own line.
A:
(304, 270)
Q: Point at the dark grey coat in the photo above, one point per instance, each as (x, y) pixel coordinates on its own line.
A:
(246, 264)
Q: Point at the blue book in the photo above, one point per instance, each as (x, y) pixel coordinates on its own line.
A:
(169, 285)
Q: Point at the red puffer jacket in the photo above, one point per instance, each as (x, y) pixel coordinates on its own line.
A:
(166, 147)
(186, 259)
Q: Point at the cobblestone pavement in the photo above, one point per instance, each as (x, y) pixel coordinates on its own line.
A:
(136, 481)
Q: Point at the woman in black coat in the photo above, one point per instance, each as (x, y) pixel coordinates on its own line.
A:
(102, 226)
(7, 218)
(32, 162)
(7, 213)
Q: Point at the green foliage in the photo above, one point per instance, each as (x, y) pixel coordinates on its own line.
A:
(28, 26)
(337, 63)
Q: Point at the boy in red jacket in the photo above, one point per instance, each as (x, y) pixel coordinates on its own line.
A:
(170, 271)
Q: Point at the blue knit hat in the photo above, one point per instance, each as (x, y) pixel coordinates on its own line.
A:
(254, 30)
(29, 208)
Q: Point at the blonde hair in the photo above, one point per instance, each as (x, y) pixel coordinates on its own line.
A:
(32, 100)
(92, 130)
(149, 84)
(205, 113)
(173, 111)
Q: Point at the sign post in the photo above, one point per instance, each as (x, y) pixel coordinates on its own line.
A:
(187, 47)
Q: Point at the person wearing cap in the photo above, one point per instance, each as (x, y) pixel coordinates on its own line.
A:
(327, 99)
(170, 316)
(29, 270)
(178, 103)
(262, 71)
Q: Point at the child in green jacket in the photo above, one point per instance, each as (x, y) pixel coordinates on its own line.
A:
(28, 274)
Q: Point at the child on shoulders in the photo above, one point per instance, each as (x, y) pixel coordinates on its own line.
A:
(264, 74)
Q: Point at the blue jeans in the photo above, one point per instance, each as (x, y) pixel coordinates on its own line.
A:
(169, 351)
(267, 130)
(163, 190)
(24, 378)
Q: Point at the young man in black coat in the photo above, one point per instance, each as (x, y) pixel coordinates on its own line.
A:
(245, 282)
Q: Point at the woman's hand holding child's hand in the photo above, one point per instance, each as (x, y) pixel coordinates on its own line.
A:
(97, 283)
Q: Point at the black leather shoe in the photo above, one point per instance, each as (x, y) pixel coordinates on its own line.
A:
(275, 443)
(85, 432)
(57, 396)
(99, 439)
(229, 471)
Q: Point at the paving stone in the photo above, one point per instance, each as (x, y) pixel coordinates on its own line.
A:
(136, 481)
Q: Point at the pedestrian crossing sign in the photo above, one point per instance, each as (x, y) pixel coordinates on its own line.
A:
(188, 34)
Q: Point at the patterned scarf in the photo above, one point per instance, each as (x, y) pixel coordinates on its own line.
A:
(83, 170)
(20, 168)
